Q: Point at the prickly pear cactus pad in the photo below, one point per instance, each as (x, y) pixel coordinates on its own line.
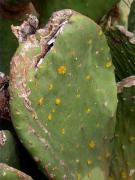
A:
(63, 97)
(7, 172)
(8, 149)
(123, 159)
(89, 8)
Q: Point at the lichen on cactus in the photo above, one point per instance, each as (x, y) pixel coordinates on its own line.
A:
(64, 97)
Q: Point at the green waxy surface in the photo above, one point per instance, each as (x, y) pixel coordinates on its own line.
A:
(73, 98)
(8, 44)
(123, 159)
(8, 149)
(9, 173)
(93, 9)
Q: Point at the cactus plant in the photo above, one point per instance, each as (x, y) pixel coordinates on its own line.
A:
(89, 8)
(8, 149)
(122, 45)
(7, 173)
(60, 97)
(71, 97)
(123, 159)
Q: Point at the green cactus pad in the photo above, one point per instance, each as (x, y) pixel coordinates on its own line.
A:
(8, 149)
(9, 173)
(64, 109)
(94, 9)
(123, 159)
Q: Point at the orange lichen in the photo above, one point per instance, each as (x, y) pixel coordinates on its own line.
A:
(50, 86)
(88, 110)
(92, 144)
(57, 101)
(49, 117)
(108, 64)
(41, 101)
(89, 162)
(61, 70)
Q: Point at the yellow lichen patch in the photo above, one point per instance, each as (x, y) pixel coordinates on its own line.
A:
(108, 64)
(41, 101)
(88, 110)
(61, 70)
(92, 144)
(89, 162)
(50, 87)
(57, 101)
(62, 131)
(100, 33)
(78, 177)
(49, 117)
(131, 138)
(123, 175)
(88, 77)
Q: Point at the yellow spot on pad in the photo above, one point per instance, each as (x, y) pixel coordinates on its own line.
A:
(88, 77)
(100, 33)
(50, 117)
(50, 86)
(108, 64)
(61, 70)
(41, 101)
(88, 110)
(78, 177)
(92, 144)
(89, 162)
(62, 131)
(57, 101)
